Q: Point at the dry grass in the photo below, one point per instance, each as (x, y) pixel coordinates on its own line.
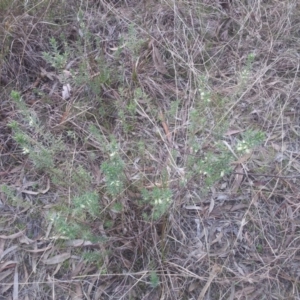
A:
(157, 88)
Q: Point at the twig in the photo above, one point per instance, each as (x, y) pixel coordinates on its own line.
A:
(267, 175)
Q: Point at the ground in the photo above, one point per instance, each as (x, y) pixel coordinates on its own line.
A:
(149, 149)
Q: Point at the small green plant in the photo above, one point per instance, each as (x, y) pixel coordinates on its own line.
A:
(117, 207)
(215, 165)
(127, 108)
(86, 204)
(250, 139)
(41, 155)
(174, 107)
(99, 137)
(133, 42)
(65, 228)
(259, 248)
(154, 279)
(21, 106)
(197, 123)
(159, 198)
(80, 178)
(246, 70)
(12, 198)
(108, 224)
(41, 145)
(94, 257)
(113, 169)
(72, 221)
(55, 58)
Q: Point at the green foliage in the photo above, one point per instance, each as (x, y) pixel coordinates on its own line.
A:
(259, 248)
(174, 107)
(127, 108)
(55, 58)
(22, 139)
(197, 123)
(41, 155)
(20, 104)
(134, 43)
(105, 75)
(141, 148)
(12, 198)
(251, 139)
(87, 203)
(159, 198)
(81, 178)
(215, 165)
(41, 145)
(113, 169)
(245, 73)
(94, 257)
(15, 95)
(205, 94)
(117, 207)
(74, 221)
(67, 229)
(108, 224)
(154, 279)
(43, 159)
(99, 137)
